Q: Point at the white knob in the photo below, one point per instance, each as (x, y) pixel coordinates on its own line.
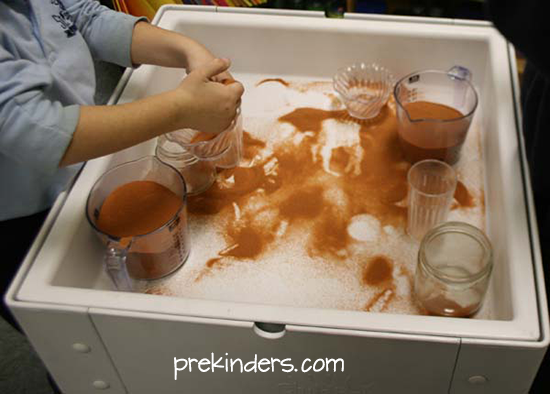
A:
(477, 380)
(81, 348)
(101, 385)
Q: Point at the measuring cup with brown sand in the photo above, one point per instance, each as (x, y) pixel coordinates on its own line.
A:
(139, 211)
(434, 112)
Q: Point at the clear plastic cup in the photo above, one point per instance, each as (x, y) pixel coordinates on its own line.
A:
(432, 185)
(224, 150)
(455, 262)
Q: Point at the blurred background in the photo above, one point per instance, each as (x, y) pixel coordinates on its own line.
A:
(463, 9)
(456, 9)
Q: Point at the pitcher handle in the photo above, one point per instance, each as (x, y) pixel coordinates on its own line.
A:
(115, 265)
(460, 72)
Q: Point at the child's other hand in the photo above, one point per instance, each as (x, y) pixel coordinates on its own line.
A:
(199, 58)
(209, 106)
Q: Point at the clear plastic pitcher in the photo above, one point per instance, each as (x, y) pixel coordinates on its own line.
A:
(147, 256)
(434, 112)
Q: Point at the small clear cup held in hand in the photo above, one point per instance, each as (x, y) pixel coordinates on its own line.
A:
(455, 262)
(363, 88)
(145, 256)
(224, 150)
(432, 185)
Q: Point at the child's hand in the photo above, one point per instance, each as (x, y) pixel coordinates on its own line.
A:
(198, 57)
(209, 106)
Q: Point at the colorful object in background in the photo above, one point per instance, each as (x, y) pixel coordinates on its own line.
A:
(226, 3)
(148, 8)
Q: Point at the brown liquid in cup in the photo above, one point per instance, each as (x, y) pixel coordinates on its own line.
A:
(139, 208)
(433, 140)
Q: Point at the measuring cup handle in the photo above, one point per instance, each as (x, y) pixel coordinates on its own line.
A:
(460, 72)
(115, 265)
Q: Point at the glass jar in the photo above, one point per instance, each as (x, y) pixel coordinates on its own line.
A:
(455, 261)
(198, 174)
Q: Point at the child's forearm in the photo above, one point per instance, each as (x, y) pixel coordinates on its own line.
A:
(153, 45)
(102, 130)
(197, 102)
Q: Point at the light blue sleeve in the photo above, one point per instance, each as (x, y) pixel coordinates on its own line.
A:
(33, 130)
(108, 33)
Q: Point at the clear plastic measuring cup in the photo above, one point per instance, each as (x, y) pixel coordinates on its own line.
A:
(146, 256)
(434, 112)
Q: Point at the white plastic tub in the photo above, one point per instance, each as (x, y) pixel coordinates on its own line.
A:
(65, 304)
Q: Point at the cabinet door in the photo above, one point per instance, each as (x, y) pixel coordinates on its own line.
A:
(143, 348)
(482, 368)
(65, 339)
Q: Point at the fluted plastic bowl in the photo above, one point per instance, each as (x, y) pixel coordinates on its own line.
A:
(363, 88)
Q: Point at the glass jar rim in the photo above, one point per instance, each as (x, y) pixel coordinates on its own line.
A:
(464, 229)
